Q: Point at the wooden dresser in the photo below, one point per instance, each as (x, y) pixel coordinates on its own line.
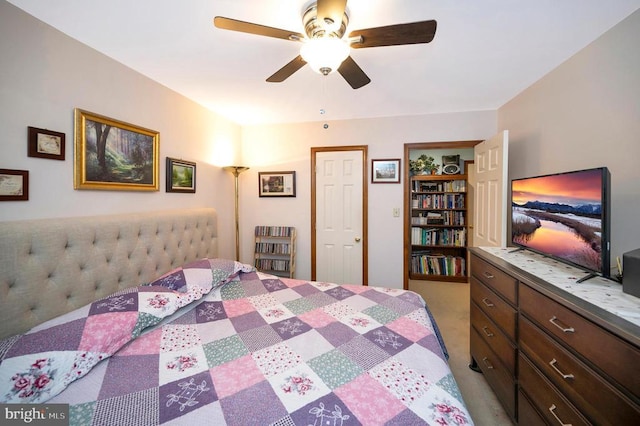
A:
(555, 352)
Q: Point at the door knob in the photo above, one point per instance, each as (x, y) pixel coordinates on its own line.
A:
(357, 239)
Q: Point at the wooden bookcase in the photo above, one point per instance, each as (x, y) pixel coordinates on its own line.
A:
(438, 222)
(275, 250)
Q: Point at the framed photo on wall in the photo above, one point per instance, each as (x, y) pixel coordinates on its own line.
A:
(114, 155)
(181, 176)
(385, 171)
(277, 184)
(45, 143)
(14, 185)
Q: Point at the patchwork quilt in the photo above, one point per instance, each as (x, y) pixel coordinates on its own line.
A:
(216, 342)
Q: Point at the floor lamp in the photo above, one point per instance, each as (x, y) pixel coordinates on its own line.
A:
(236, 170)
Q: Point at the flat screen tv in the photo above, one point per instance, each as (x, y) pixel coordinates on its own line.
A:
(565, 216)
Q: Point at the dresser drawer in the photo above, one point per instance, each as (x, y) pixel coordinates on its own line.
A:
(494, 278)
(493, 337)
(604, 351)
(500, 380)
(527, 414)
(502, 313)
(595, 398)
(548, 401)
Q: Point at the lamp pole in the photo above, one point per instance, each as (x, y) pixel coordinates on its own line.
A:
(236, 170)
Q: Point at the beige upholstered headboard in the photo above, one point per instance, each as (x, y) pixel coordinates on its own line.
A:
(49, 267)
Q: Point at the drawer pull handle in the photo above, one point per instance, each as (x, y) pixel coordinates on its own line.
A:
(487, 302)
(487, 363)
(552, 363)
(553, 321)
(552, 410)
(488, 275)
(487, 332)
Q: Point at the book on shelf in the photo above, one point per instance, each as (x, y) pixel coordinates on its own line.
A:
(446, 218)
(438, 201)
(438, 264)
(438, 237)
(456, 185)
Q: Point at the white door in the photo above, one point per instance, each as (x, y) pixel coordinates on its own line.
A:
(471, 206)
(339, 236)
(491, 163)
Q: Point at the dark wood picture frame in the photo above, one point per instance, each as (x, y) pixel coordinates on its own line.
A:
(45, 143)
(14, 185)
(385, 170)
(181, 176)
(277, 184)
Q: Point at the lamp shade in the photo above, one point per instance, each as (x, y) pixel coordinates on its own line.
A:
(325, 54)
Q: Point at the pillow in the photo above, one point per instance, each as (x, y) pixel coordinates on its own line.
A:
(41, 363)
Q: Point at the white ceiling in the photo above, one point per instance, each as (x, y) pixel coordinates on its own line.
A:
(484, 52)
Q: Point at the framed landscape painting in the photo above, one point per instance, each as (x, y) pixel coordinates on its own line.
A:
(181, 176)
(385, 171)
(114, 155)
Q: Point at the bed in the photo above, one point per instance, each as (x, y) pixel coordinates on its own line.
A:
(134, 320)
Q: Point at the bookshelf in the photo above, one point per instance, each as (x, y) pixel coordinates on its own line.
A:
(438, 227)
(275, 250)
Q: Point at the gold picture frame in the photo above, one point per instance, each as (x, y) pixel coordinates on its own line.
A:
(114, 155)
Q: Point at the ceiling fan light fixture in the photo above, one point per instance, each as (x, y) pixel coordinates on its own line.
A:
(325, 54)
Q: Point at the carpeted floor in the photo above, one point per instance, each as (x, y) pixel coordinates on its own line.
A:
(449, 304)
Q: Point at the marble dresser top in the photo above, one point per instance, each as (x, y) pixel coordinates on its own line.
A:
(605, 294)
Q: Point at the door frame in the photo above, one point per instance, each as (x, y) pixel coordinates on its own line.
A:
(408, 147)
(365, 203)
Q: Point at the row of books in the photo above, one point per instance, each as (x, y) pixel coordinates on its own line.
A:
(272, 265)
(437, 264)
(273, 248)
(437, 201)
(438, 237)
(452, 217)
(274, 231)
(445, 186)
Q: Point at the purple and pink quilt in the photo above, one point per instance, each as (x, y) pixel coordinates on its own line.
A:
(215, 342)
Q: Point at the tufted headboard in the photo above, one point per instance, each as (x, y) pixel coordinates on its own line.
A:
(49, 267)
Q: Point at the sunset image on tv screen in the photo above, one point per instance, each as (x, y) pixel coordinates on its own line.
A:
(560, 215)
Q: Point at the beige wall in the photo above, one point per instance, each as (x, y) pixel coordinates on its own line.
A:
(44, 75)
(288, 147)
(583, 114)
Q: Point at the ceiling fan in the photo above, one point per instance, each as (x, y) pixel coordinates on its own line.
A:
(324, 48)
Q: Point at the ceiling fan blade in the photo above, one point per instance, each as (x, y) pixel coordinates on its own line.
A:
(332, 10)
(248, 27)
(353, 73)
(393, 35)
(285, 72)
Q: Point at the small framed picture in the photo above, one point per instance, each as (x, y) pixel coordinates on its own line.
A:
(385, 171)
(181, 176)
(14, 185)
(45, 143)
(277, 184)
